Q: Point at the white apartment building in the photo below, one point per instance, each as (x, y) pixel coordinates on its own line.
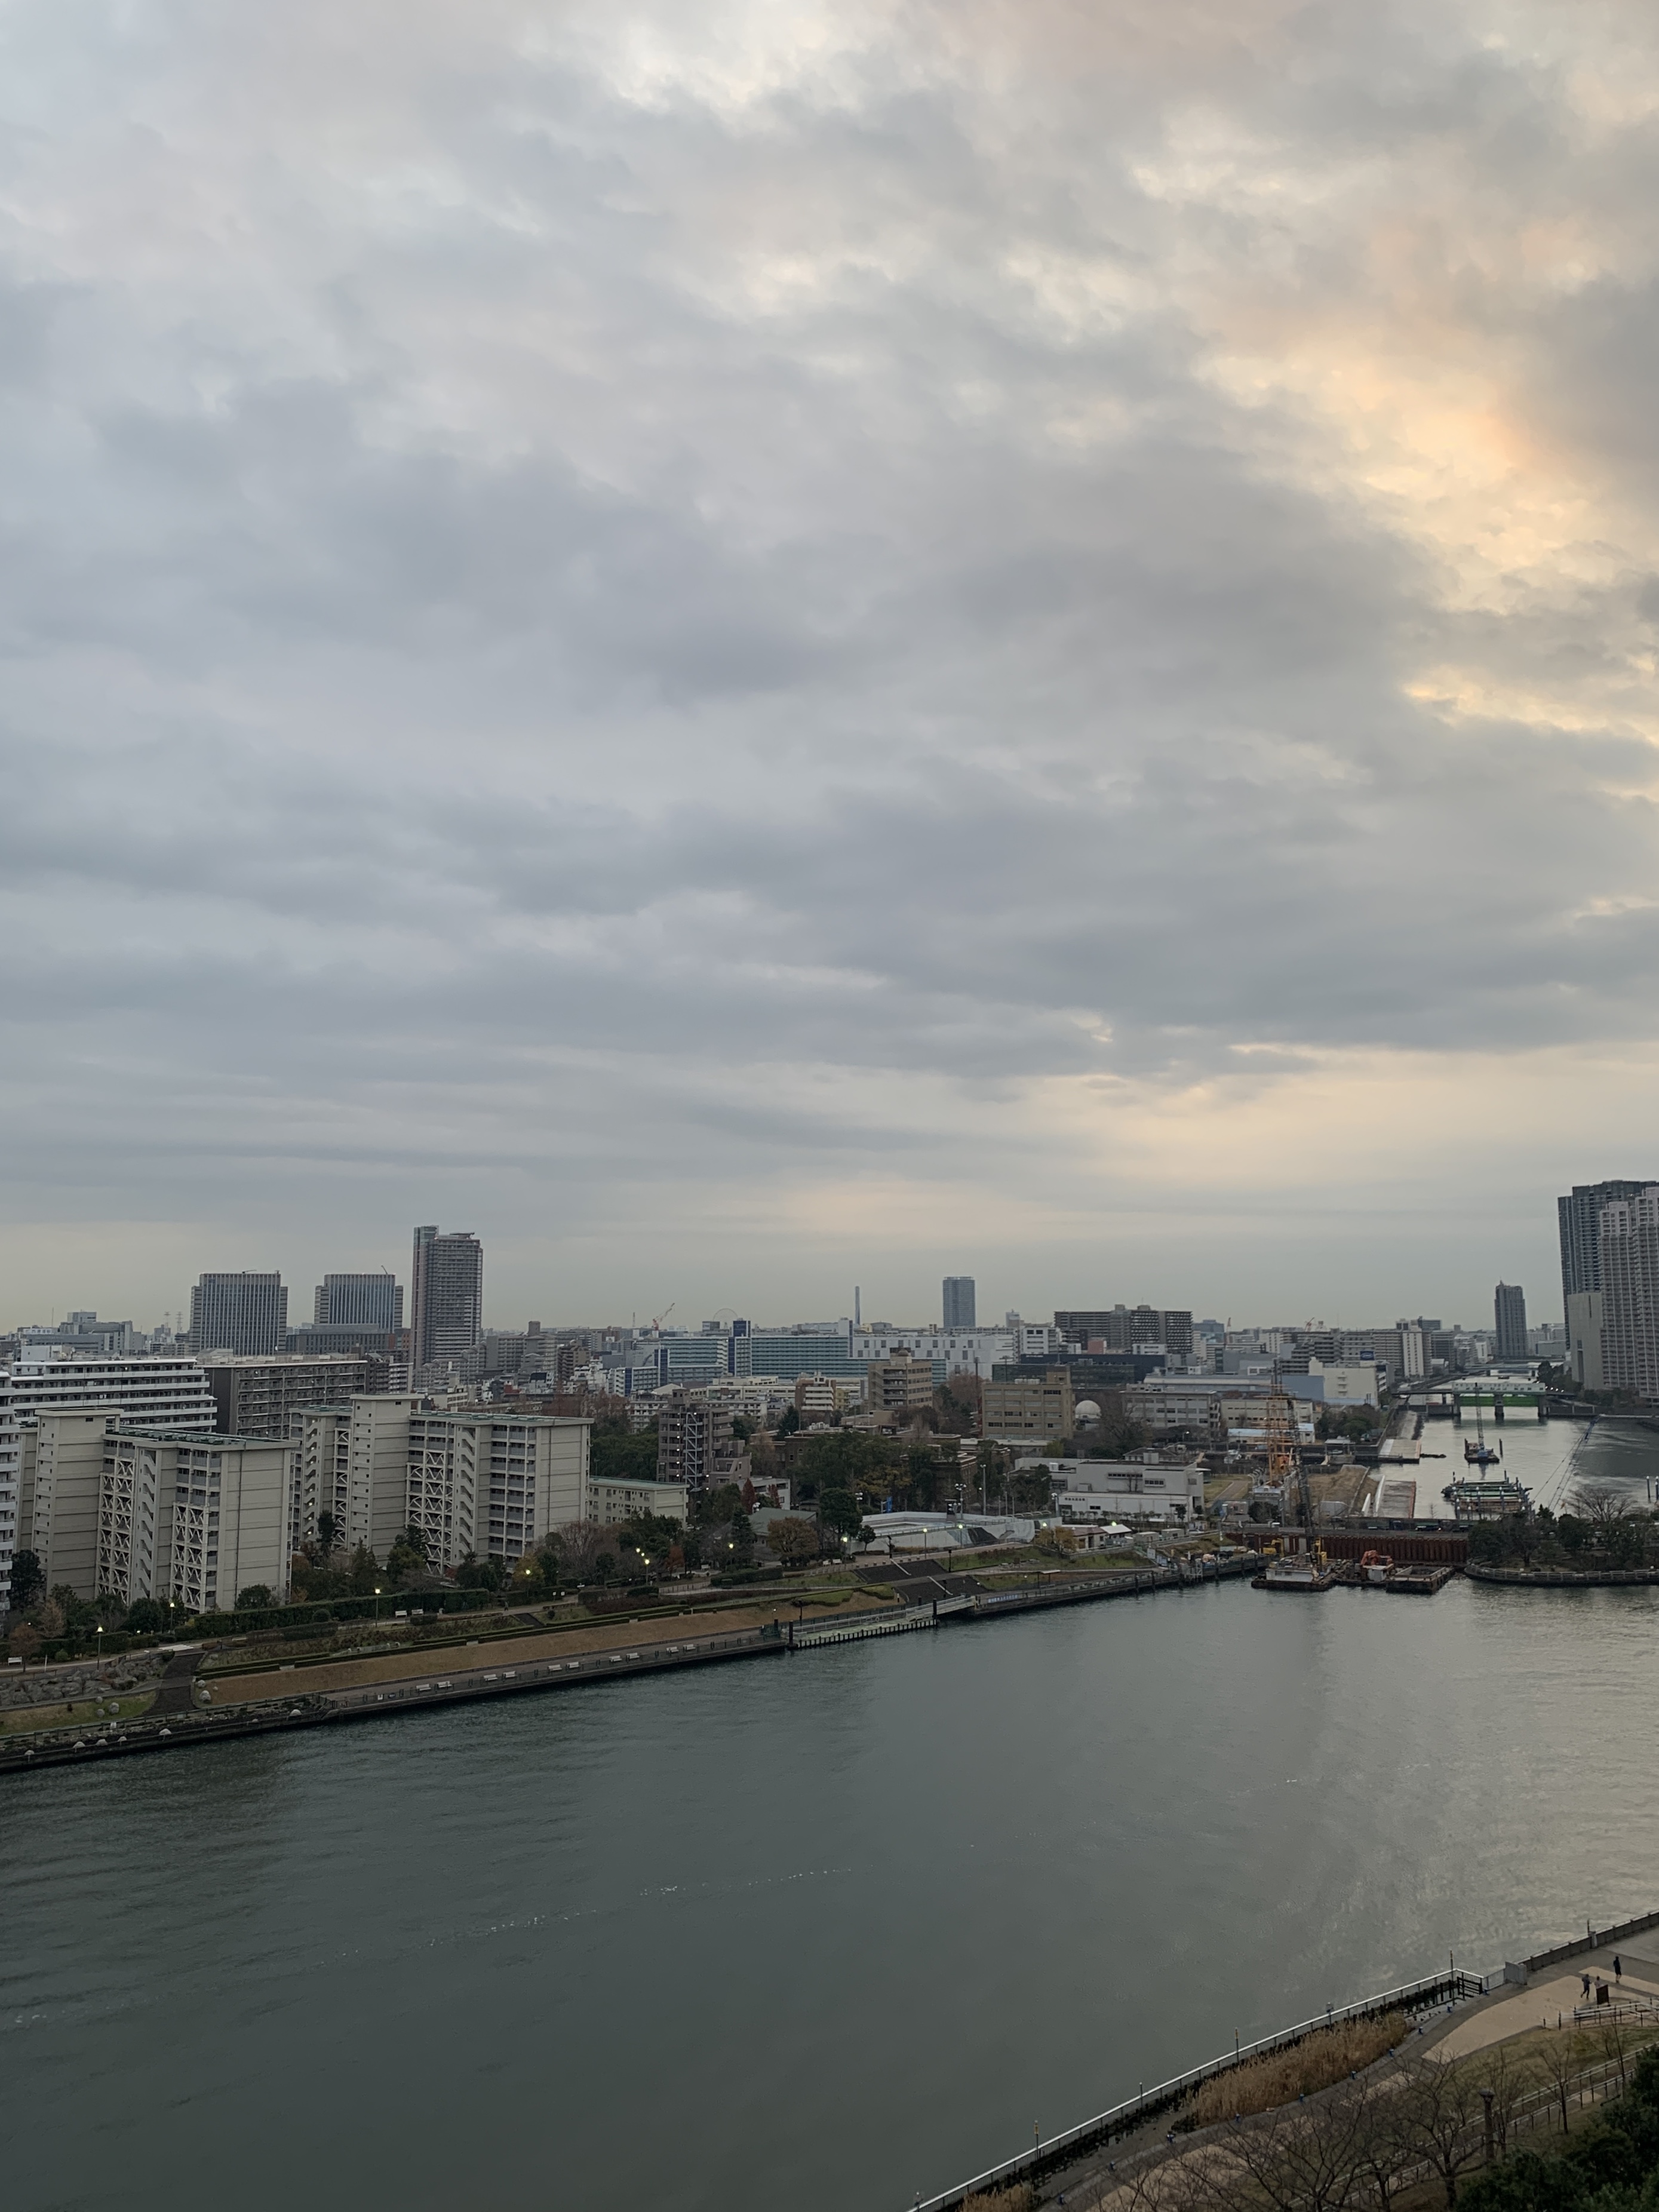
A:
(353, 1463)
(195, 1519)
(151, 1392)
(61, 1478)
(10, 1455)
(612, 1498)
(495, 1484)
(477, 1479)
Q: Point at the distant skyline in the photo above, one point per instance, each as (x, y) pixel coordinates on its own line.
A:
(754, 650)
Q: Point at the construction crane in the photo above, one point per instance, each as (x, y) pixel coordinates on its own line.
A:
(1284, 1459)
(658, 1320)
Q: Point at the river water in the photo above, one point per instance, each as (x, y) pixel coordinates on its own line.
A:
(816, 1932)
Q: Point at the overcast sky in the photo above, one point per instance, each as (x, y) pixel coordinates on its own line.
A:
(758, 647)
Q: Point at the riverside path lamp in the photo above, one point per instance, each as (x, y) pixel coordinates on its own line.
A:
(377, 1605)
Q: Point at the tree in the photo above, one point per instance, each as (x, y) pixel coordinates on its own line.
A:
(28, 1581)
(790, 1422)
(715, 1507)
(328, 1535)
(794, 1541)
(365, 1572)
(740, 1538)
(1440, 2112)
(146, 1618)
(1301, 2158)
(742, 1427)
(253, 1598)
(23, 1641)
(474, 1573)
(578, 1548)
(620, 1451)
(838, 1511)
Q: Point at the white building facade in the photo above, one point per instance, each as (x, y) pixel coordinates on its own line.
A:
(191, 1519)
(160, 1392)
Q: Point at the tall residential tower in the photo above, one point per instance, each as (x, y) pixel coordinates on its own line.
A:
(445, 1295)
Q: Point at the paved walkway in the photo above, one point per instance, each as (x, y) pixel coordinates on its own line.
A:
(1542, 2001)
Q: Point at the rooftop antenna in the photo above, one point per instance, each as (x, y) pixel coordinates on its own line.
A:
(857, 1314)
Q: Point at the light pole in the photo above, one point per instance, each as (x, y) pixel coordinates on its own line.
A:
(377, 1605)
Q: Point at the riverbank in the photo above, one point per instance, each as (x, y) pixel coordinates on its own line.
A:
(200, 1702)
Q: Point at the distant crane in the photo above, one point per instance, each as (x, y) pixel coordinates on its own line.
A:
(657, 1322)
(1284, 1459)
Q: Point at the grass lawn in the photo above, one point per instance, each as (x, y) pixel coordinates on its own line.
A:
(85, 1712)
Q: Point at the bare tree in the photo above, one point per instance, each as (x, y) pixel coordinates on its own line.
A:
(1600, 1504)
(1441, 2120)
(1305, 2157)
(1511, 2080)
(1562, 2063)
(580, 1546)
(1611, 2035)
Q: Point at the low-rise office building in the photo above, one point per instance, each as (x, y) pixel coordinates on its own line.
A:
(1115, 1490)
(1029, 1405)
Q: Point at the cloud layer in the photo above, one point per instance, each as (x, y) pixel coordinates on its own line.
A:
(751, 645)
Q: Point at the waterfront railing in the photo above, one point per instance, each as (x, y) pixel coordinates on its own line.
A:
(1411, 1998)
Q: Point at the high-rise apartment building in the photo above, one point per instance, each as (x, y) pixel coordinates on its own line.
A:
(195, 1519)
(10, 1457)
(959, 1302)
(149, 1391)
(1122, 1328)
(445, 1295)
(263, 1397)
(245, 1313)
(62, 1467)
(372, 1303)
(486, 1482)
(1579, 1215)
(1628, 1242)
(694, 1441)
(1509, 1322)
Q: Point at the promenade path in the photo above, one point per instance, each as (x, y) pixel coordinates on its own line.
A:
(1542, 2001)
(416, 1663)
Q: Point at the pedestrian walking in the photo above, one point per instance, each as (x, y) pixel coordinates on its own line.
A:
(1618, 1969)
(1584, 1978)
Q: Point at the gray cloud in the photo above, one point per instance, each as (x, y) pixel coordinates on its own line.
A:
(654, 628)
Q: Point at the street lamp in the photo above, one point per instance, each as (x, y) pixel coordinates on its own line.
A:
(377, 1603)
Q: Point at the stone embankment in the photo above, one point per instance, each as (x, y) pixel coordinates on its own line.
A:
(76, 1680)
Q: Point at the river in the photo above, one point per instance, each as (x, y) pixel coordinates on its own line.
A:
(813, 1933)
